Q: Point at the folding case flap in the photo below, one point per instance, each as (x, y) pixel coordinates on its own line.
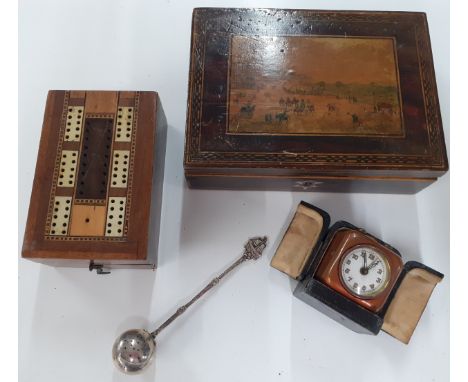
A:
(410, 300)
(301, 238)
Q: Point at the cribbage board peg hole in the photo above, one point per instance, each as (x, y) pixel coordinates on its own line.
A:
(85, 123)
(61, 215)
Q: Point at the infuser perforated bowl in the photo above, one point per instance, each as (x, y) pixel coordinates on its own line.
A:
(133, 350)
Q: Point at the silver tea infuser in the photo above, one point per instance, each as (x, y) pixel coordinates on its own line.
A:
(134, 349)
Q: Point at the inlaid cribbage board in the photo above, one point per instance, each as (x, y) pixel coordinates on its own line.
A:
(92, 192)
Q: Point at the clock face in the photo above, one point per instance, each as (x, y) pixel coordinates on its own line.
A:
(364, 272)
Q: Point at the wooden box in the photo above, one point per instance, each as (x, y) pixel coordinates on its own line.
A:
(97, 191)
(312, 100)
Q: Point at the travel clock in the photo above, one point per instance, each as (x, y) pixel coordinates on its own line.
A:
(352, 276)
(360, 268)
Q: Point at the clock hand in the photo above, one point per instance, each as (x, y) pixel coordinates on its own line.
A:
(364, 269)
(373, 264)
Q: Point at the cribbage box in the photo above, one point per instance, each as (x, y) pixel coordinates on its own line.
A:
(97, 190)
(312, 100)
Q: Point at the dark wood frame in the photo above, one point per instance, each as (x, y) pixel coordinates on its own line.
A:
(210, 151)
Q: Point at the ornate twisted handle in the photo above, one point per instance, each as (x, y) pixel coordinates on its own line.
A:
(253, 250)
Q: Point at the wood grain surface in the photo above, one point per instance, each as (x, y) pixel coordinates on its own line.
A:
(213, 148)
(91, 211)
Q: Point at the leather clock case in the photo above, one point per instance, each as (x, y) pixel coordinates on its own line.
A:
(300, 255)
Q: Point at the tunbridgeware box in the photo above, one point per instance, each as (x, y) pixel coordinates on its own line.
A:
(312, 100)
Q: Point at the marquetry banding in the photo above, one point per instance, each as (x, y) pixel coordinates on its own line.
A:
(60, 216)
(68, 163)
(120, 161)
(124, 123)
(115, 216)
(74, 124)
(82, 220)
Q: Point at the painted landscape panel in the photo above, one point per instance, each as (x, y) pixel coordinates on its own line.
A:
(314, 85)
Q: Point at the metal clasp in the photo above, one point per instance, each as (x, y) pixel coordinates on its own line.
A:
(98, 267)
(307, 184)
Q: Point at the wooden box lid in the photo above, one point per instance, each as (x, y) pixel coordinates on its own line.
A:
(95, 172)
(297, 93)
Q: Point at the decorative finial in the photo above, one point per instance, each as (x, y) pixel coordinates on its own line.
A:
(254, 247)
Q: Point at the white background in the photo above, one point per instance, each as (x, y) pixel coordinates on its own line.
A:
(251, 328)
